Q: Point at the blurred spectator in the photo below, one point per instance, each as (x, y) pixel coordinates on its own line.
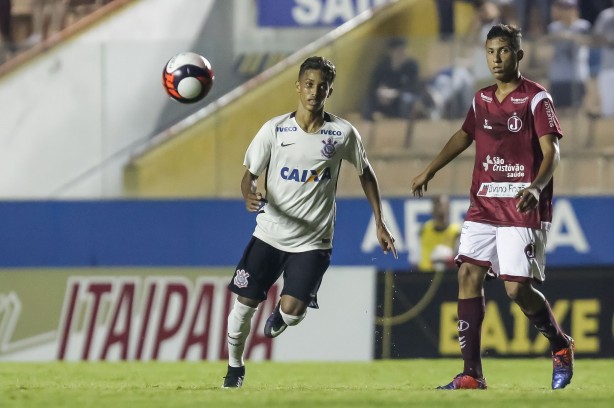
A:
(47, 19)
(449, 92)
(603, 31)
(395, 83)
(487, 14)
(76, 9)
(7, 46)
(509, 11)
(569, 67)
(438, 238)
(445, 14)
(533, 16)
(589, 10)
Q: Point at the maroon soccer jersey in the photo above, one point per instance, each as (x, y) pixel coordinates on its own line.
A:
(508, 154)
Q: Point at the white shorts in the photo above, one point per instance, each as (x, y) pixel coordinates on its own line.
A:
(512, 253)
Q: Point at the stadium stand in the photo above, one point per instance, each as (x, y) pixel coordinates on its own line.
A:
(76, 15)
(601, 133)
(174, 167)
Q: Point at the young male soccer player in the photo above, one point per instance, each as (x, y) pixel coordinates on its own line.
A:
(516, 133)
(301, 153)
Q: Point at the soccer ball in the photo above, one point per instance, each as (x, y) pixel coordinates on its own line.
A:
(187, 77)
(442, 257)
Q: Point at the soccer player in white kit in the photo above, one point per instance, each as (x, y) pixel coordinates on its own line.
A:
(301, 153)
(516, 133)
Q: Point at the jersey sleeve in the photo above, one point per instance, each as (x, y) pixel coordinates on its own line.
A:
(544, 116)
(258, 153)
(469, 123)
(355, 151)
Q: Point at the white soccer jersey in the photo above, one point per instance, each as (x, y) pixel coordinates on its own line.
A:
(301, 179)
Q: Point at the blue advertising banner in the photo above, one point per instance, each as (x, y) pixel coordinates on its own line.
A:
(214, 232)
(311, 13)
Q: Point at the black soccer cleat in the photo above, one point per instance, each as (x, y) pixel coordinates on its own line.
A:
(234, 377)
(275, 324)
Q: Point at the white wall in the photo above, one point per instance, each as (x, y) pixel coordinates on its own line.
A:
(86, 102)
(341, 330)
(71, 118)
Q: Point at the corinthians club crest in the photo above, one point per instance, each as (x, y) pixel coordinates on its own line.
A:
(240, 279)
(329, 149)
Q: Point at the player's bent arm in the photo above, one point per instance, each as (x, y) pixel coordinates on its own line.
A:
(458, 143)
(549, 145)
(529, 197)
(370, 186)
(248, 189)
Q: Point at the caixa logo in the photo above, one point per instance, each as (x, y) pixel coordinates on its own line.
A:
(281, 129)
(305, 176)
(330, 132)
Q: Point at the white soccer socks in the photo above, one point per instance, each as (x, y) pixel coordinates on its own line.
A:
(291, 320)
(239, 324)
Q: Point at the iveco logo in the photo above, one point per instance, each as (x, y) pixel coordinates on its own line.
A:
(286, 129)
(330, 132)
(462, 325)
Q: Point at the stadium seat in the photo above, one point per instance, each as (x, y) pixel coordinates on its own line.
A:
(382, 134)
(429, 136)
(609, 172)
(602, 133)
(582, 173)
(394, 174)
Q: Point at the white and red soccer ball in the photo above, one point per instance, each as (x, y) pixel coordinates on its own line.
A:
(187, 77)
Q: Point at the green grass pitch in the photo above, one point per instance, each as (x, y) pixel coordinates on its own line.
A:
(394, 383)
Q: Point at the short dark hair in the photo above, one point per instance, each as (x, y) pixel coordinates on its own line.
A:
(509, 32)
(321, 64)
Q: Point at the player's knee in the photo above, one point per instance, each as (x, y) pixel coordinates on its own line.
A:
(471, 275)
(512, 294)
(241, 313)
(292, 320)
(513, 290)
(465, 274)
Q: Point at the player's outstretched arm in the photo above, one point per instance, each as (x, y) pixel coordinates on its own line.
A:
(529, 197)
(455, 146)
(253, 199)
(371, 189)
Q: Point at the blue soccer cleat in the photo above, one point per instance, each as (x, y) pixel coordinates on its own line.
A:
(275, 324)
(562, 366)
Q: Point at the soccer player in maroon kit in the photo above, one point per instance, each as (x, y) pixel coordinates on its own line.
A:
(516, 133)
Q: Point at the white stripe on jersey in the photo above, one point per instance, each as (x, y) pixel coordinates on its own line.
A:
(538, 98)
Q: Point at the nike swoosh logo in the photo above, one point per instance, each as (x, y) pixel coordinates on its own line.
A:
(276, 333)
(286, 144)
